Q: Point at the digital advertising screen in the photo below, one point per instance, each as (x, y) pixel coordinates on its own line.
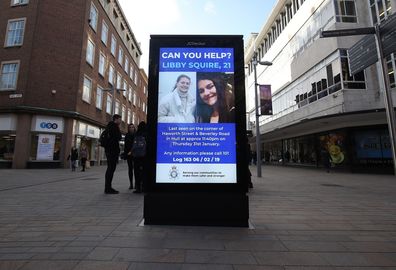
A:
(196, 124)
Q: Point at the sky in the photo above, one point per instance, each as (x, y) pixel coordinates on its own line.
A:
(239, 17)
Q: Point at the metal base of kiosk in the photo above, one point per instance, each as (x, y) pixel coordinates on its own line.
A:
(197, 209)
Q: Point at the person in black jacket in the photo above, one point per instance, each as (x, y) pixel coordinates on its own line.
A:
(112, 150)
(139, 156)
(73, 157)
(128, 152)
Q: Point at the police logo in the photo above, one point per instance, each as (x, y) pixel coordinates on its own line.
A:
(174, 173)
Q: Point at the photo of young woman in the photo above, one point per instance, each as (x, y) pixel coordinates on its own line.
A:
(215, 98)
(178, 104)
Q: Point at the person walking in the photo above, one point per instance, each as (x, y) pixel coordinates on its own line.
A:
(83, 156)
(112, 150)
(325, 157)
(129, 137)
(139, 156)
(73, 157)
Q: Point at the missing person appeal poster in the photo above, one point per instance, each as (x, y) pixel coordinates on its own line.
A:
(196, 140)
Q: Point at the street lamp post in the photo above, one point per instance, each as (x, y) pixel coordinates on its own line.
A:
(258, 141)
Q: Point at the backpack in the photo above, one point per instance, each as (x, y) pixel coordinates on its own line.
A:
(139, 146)
(104, 138)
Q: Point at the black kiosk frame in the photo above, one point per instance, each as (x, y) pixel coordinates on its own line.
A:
(197, 204)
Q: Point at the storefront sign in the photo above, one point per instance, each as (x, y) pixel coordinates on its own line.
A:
(45, 147)
(47, 124)
(196, 139)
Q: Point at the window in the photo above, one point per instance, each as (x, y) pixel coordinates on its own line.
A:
(126, 65)
(133, 118)
(93, 17)
(87, 88)
(119, 81)
(129, 117)
(111, 74)
(105, 33)
(130, 94)
(380, 10)
(125, 87)
(134, 98)
(109, 103)
(90, 52)
(113, 45)
(99, 97)
(15, 32)
(19, 2)
(136, 78)
(120, 55)
(356, 81)
(123, 113)
(9, 75)
(117, 107)
(131, 72)
(102, 64)
(390, 61)
(345, 11)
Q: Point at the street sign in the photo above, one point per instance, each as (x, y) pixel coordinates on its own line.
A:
(363, 54)
(15, 96)
(388, 35)
(348, 32)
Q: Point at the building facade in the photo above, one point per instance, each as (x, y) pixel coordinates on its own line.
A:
(61, 65)
(318, 106)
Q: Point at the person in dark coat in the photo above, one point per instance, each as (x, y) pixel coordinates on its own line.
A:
(73, 157)
(112, 151)
(139, 156)
(129, 137)
(325, 157)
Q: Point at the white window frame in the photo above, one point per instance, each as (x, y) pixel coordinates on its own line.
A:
(102, 64)
(90, 59)
(129, 116)
(109, 104)
(126, 65)
(104, 36)
(8, 29)
(123, 113)
(113, 45)
(130, 94)
(87, 96)
(117, 107)
(119, 80)
(19, 2)
(120, 56)
(2, 64)
(111, 74)
(93, 22)
(125, 87)
(131, 72)
(99, 97)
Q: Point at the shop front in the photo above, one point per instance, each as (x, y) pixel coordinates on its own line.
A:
(88, 135)
(46, 141)
(7, 139)
(363, 149)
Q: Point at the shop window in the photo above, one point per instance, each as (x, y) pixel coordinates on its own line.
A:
(7, 146)
(45, 147)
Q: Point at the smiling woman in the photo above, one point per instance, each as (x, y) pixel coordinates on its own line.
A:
(215, 103)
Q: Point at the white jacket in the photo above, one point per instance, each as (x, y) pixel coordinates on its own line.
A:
(170, 109)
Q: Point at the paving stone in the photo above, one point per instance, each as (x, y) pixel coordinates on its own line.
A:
(11, 265)
(150, 255)
(103, 254)
(95, 265)
(221, 257)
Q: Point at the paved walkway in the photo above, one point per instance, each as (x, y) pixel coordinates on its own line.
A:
(302, 218)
